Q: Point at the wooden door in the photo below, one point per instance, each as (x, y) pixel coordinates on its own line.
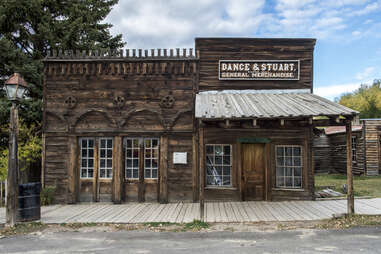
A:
(96, 169)
(253, 167)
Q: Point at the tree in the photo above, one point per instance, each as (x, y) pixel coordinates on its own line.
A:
(366, 100)
(29, 28)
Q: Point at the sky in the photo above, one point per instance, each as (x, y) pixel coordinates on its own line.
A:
(348, 32)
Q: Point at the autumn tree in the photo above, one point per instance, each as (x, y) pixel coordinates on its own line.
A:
(366, 100)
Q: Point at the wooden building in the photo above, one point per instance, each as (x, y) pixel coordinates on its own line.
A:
(230, 120)
(330, 149)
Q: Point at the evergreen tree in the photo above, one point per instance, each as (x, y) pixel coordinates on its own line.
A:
(29, 28)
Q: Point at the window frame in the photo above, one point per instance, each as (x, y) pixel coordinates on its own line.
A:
(87, 157)
(293, 172)
(222, 166)
(106, 158)
(354, 149)
(142, 139)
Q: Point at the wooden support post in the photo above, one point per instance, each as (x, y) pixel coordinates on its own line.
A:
(254, 122)
(202, 171)
(72, 169)
(240, 172)
(117, 176)
(96, 172)
(350, 197)
(43, 160)
(12, 175)
(141, 186)
(282, 122)
(195, 164)
(163, 169)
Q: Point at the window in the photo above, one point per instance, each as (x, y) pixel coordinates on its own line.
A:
(87, 157)
(218, 165)
(151, 157)
(105, 158)
(354, 156)
(289, 167)
(132, 158)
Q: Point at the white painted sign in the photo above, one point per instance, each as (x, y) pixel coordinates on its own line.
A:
(259, 69)
(179, 158)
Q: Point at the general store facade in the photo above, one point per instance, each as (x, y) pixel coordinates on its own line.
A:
(231, 120)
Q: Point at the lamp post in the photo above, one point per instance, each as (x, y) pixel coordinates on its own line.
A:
(15, 87)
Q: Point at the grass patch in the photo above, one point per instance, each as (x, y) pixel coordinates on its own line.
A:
(79, 225)
(159, 224)
(351, 221)
(362, 185)
(196, 225)
(23, 228)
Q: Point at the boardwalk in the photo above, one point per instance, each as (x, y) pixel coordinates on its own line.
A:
(214, 212)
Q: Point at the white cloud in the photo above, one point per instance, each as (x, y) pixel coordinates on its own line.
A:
(366, 73)
(333, 91)
(173, 23)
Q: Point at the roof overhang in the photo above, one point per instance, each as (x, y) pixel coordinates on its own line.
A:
(266, 104)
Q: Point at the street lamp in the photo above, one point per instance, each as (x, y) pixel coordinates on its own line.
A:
(15, 87)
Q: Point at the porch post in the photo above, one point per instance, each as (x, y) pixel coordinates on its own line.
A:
(163, 185)
(141, 187)
(202, 171)
(117, 178)
(72, 172)
(350, 197)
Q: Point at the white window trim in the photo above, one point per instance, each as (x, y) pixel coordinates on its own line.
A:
(231, 167)
(143, 139)
(87, 157)
(99, 157)
(354, 149)
(301, 165)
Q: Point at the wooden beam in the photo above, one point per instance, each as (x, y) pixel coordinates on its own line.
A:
(141, 187)
(282, 122)
(240, 172)
(96, 171)
(163, 170)
(254, 122)
(350, 196)
(12, 174)
(195, 174)
(72, 169)
(202, 171)
(117, 176)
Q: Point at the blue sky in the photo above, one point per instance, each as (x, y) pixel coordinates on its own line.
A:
(348, 32)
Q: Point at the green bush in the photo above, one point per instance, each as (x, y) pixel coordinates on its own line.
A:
(47, 195)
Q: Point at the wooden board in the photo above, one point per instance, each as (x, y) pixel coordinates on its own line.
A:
(253, 167)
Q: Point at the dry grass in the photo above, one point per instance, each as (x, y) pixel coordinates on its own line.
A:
(362, 185)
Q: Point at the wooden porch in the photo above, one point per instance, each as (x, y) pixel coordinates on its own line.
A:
(251, 211)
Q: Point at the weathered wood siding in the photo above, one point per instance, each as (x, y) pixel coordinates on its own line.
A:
(330, 153)
(212, 50)
(119, 97)
(338, 153)
(372, 132)
(322, 154)
(278, 136)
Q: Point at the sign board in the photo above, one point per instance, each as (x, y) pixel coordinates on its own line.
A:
(179, 158)
(259, 70)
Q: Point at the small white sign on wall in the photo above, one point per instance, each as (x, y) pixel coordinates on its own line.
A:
(179, 158)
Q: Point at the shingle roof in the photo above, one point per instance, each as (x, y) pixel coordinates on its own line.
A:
(265, 104)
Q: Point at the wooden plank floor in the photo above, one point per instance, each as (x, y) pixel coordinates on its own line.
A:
(214, 212)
